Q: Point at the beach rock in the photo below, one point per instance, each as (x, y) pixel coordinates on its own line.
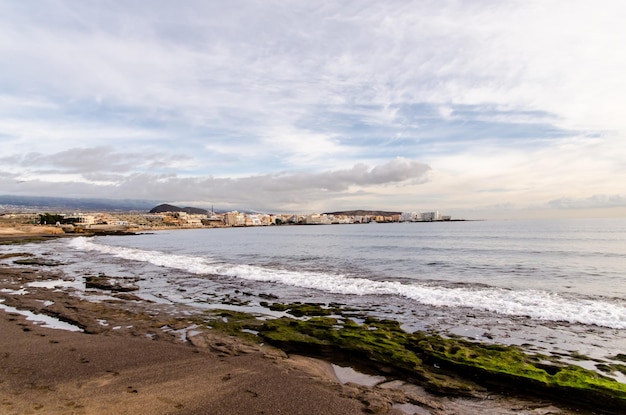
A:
(228, 346)
(15, 255)
(38, 262)
(130, 297)
(375, 401)
(103, 282)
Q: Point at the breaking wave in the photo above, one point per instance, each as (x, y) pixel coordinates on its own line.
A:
(541, 305)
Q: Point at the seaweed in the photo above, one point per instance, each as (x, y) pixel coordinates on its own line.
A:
(38, 262)
(304, 309)
(444, 365)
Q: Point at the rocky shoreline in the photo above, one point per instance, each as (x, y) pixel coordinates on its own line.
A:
(218, 348)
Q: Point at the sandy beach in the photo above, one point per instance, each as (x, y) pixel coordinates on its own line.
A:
(134, 356)
(109, 370)
(58, 372)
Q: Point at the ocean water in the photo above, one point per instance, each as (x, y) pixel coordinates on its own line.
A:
(553, 286)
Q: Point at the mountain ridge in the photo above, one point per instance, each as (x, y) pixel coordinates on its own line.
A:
(64, 203)
(360, 212)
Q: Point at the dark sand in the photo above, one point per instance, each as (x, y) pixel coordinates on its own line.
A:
(59, 372)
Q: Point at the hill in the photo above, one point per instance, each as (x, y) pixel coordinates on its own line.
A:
(42, 203)
(171, 208)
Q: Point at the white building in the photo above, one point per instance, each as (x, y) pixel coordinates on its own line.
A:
(411, 217)
(85, 219)
(431, 216)
(317, 219)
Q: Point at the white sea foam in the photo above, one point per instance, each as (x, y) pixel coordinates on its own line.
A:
(21, 291)
(54, 284)
(541, 305)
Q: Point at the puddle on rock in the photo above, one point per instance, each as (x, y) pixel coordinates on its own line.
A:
(349, 375)
(409, 408)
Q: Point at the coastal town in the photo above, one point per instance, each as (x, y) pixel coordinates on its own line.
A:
(169, 217)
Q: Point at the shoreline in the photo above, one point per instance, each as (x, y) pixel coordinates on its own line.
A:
(125, 362)
(116, 325)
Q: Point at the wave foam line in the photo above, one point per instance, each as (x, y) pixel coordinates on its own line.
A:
(536, 304)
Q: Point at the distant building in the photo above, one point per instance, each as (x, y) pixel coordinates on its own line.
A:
(234, 219)
(193, 220)
(253, 220)
(431, 216)
(317, 219)
(84, 219)
(411, 217)
(154, 217)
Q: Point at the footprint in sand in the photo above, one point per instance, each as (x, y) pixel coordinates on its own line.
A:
(100, 381)
(171, 402)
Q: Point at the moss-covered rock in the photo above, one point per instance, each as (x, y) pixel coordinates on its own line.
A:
(448, 365)
(509, 365)
(232, 322)
(38, 261)
(376, 345)
(304, 309)
(116, 284)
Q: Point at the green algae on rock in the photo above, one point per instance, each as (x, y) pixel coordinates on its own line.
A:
(38, 262)
(305, 309)
(443, 365)
(496, 364)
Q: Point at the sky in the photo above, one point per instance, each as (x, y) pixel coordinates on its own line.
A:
(478, 109)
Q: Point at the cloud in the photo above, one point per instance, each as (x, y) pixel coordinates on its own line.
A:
(227, 63)
(591, 202)
(95, 159)
(205, 101)
(395, 171)
(276, 191)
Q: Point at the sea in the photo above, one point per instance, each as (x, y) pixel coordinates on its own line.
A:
(556, 287)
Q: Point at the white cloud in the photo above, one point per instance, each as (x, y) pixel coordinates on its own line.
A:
(595, 201)
(79, 162)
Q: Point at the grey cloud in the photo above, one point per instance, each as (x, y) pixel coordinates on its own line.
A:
(595, 201)
(93, 159)
(79, 160)
(4, 175)
(285, 191)
(397, 170)
(104, 177)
